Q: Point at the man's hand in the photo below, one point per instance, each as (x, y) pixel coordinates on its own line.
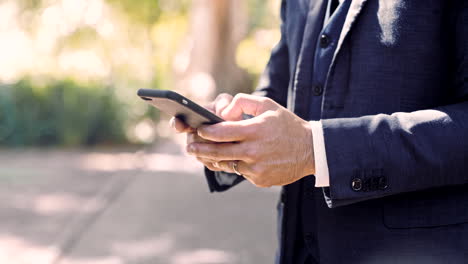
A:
(217, 107)
(273, 148)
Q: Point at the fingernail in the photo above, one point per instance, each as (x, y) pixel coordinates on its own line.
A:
(200, 130)
(223, 113)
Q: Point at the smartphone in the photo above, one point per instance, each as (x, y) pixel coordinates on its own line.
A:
(177, 105)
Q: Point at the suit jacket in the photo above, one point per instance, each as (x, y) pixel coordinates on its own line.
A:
(394, 110)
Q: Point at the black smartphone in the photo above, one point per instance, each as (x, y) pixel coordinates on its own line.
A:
(177, 105)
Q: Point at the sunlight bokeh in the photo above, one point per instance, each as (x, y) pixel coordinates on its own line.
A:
(113, 45)
(90, 174)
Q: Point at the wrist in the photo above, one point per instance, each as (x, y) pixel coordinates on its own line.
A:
(309, 167)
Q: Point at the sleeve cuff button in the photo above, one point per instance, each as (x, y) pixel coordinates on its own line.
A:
(356, 184)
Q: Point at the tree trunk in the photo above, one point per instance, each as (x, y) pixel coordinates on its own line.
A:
(207, 64)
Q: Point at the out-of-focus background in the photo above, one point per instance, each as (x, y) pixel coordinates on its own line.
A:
(89, 174)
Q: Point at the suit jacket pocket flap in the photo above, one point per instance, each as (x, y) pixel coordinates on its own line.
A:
(431, 208)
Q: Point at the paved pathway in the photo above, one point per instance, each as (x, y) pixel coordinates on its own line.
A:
(115, 207)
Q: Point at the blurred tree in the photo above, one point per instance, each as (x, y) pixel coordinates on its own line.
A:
(207, 64)
(29, 4)
(97, 53)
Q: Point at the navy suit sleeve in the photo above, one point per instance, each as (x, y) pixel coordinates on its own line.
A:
(383, 155)
(273, 84)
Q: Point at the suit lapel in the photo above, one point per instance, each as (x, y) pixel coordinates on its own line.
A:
(313, 26)
(354, 10)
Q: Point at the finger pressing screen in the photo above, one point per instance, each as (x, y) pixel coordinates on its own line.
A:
(244, 104)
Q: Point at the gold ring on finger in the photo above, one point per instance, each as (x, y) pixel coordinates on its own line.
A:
(235, 167)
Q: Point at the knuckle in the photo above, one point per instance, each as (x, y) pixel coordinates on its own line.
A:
(220, 96)
(223, 96)
(268, 102)
(239, 97)
(263, 100)
(191, 149)
(252, 154)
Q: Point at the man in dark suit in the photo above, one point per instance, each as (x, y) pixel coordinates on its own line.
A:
(377, 115)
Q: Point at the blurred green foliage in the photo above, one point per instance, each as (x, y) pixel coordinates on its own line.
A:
(149, 11)
(59, 113)
(259, 15)
(63, 107)
(144, 11)
(30, 4)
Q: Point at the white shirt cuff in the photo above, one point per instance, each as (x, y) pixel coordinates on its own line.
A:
(322, 176)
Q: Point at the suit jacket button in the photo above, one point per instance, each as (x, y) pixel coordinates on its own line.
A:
(324, 41)
(356, 184)
(317, 89)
